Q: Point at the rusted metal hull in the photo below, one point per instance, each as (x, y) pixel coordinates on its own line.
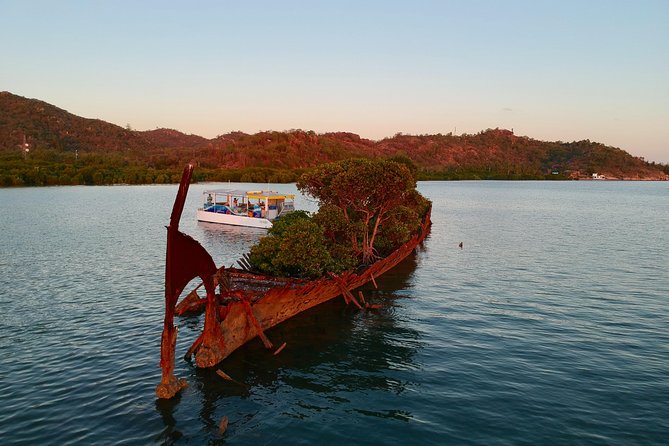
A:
(280, 303)
(247, 304)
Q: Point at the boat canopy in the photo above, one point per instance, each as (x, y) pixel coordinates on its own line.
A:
(260, 194)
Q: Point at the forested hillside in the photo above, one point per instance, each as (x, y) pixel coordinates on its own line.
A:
(41, 144)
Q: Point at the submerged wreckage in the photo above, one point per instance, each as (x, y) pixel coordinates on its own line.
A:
(247, 303)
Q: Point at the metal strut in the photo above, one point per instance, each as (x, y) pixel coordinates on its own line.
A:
(185, 260)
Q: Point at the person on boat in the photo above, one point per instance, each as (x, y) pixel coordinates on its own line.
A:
(209, 199)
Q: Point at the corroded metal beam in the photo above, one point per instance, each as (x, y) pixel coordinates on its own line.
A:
(185, 260)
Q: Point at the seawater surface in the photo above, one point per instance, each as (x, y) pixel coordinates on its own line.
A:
(550, 326)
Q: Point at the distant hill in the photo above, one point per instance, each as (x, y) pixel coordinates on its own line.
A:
(168, 138)
(67, 149)
(500, 154)
(48, 127)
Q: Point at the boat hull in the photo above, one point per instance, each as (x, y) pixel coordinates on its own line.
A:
(280, 303)
(232, 219)
(247, 304)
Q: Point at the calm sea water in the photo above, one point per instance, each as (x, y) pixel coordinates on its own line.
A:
(550, 326)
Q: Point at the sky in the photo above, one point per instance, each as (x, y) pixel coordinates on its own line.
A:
(550, 70)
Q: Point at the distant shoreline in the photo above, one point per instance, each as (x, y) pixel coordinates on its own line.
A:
(585, 179)
(43, 145)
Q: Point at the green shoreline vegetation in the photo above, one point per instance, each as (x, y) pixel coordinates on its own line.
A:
(43, 145)
(49, 167)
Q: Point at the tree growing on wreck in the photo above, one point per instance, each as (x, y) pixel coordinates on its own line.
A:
(367, 209)
(296, 246)
(368, 194)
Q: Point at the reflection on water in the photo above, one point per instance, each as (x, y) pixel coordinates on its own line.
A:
(399, 278)
(549, 327)
(332, 350)
(225, 242)
(166, 408)
(214, 232)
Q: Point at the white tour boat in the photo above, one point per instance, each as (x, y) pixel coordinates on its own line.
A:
(244, 208)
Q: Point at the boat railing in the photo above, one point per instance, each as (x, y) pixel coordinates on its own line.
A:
(221, 209)
(242, 211)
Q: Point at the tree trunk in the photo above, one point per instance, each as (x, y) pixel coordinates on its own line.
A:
(368, 256)
(376, 228)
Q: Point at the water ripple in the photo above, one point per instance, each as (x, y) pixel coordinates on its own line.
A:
(549, 327)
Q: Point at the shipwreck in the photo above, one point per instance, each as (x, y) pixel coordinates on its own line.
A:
(240, 304)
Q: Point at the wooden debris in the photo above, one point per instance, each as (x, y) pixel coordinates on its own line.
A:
(227, 377)
(193, 348)
(348, 296)
(245, 262)
(191, 304)
(353, 299)
(278, 350)
(222, 280)
(224, 375)
(362, 298)
(223, 426)
(249, 312)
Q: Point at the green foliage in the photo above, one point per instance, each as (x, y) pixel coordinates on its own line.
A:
(335, 225)
(358, 184)
(341, 236)
(401, 223)
(263, 254)
(302, 251)
(368, 208)
(403, 158)
(295, 247)
(366, 194)
(283, 225)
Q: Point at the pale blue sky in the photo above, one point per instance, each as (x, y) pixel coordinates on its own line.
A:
(552, 70)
